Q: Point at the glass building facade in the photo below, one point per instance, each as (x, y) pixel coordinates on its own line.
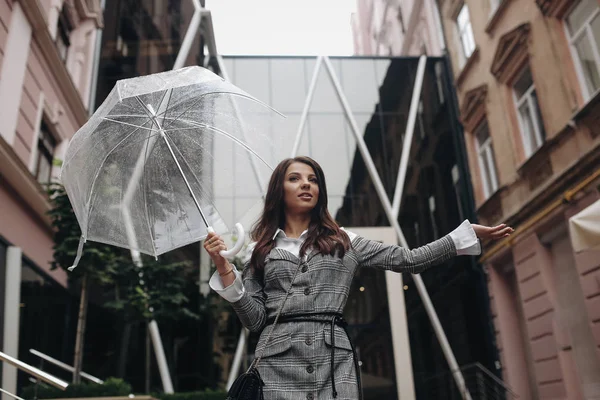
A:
(141, 38)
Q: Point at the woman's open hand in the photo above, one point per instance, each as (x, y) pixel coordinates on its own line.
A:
(492, 233)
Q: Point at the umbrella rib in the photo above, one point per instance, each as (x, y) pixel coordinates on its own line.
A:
(132, 125)
(189, 187)
(245, 96)
(154, 120)
(145, 200)
(89, 205)
(222, 132)
(183, 158)
(167, 106)
(126, 115)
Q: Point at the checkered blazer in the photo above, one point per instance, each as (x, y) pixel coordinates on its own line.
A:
(296, 361)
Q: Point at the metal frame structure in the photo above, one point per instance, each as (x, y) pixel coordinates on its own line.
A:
(391, 208)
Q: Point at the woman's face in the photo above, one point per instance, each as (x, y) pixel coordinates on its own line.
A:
(300, 188)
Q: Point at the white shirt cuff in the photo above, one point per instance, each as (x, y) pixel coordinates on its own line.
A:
(465, 240)
(231, 293)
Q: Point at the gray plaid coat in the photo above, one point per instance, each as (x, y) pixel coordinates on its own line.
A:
(296, 361)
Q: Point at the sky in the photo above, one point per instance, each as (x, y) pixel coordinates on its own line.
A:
(282, 27)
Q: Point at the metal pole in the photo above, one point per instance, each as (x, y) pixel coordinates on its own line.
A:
(64, 366)
(364, 151)
(242, 341)
(160, 357)
(137, 260)
(307, 103)
(96, 65)
(38, 373)
(12, 310)
(237, 358)
(189, 37)
(408, 134)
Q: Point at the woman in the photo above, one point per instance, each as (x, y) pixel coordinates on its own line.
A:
(309, 355)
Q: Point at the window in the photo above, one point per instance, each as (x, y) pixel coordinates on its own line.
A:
(528, 112)
(432, 217)
(63, 32)
(487, 164)
(45, 156)
(457, 191)
(401, 20)
(420, 121)
(439, 83)
(465, 31)
(583, 31)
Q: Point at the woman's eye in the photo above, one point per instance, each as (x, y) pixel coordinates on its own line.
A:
(314, 180)
(293, 178)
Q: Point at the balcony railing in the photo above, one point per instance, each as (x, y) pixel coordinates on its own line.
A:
(481, 383)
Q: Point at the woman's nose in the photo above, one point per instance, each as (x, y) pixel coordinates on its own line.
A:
(305, 184)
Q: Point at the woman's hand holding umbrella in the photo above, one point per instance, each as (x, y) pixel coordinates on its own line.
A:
(215, 246)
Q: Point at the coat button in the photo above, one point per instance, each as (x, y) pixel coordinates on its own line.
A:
(305, 268)
(308, 341)
(310, 369)
(310, 396)
(307, 291)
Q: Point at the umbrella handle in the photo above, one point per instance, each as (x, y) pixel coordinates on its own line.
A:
(239, 229)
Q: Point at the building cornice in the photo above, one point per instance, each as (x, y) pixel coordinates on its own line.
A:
(40, 34)
(473, 108)
(546, 201)
(23, 183)
(90, 11)
(511, 53)
(497, 16)
(462, 75)
(554, 8)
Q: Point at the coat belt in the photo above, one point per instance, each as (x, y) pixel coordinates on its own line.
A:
(334, 319)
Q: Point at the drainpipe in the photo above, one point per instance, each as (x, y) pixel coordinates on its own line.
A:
(96, 65)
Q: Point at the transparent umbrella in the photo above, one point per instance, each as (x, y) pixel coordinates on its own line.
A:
(144, 171)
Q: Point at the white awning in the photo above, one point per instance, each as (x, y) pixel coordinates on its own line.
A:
(585, 228)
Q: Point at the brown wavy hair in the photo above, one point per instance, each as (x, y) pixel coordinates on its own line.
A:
(324, 234)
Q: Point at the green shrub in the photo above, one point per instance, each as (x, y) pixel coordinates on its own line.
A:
(111, 387)
(204, 395)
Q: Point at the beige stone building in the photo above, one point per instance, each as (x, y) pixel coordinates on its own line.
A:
(527, 74)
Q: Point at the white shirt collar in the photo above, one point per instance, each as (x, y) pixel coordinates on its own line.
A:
(281, 235)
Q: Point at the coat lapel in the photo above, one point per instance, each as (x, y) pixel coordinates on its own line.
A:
(280, 254)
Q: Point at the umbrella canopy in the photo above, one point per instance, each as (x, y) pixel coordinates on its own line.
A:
(585, 228)
(143, 172)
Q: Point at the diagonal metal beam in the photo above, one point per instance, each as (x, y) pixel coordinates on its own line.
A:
(307, 103)
(190, 35)
(408, 135)
(364, 151)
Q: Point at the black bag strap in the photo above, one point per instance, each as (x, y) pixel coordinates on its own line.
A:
(287, 294)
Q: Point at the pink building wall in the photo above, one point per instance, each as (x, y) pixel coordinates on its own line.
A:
(41, 87)
(546, 310)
